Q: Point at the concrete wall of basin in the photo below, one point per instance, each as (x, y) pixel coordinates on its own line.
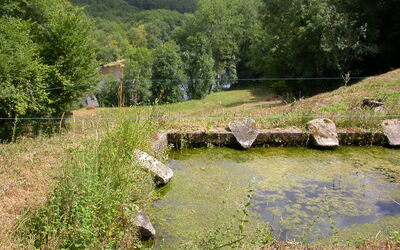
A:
(266, 138)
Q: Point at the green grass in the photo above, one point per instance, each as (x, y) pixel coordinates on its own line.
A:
(87, 207)
(94, 174)
(259, 101)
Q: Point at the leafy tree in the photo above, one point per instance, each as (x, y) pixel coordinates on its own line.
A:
(227, 24)
(382, 25)
(138, 75)
(138, 36)
(45, 45)
(157, 24)
(22, 75)
(65, 46)
(110, 40)
(168, 74)
(200, 66)
(308, 38)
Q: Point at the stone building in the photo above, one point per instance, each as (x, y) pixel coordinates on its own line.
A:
(113, 71)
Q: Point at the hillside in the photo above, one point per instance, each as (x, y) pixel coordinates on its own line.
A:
(261, 102)
(110, 9)
(107, 9)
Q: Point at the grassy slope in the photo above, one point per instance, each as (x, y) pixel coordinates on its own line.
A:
(258, 101)
(29, 168)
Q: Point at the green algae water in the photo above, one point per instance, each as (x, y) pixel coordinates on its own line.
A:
(303, 194)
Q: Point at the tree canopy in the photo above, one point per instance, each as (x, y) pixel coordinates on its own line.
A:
(44, 44)
(175, 48)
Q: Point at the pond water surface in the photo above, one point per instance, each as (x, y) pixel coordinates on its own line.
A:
(303, 194)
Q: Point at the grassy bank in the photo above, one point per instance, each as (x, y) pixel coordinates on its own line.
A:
(99, 180)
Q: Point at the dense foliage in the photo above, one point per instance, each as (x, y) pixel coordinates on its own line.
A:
(43, 44)
(324, 38)
(179, 5)
(216, 43)
(226, 40)
(125, 8)
(168, 74)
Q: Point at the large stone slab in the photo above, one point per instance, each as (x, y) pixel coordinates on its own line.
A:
(163, 174)
(391, 128)
(146, 229)
(245, 132)
(323, 133)
(139, 219)
(160, 142)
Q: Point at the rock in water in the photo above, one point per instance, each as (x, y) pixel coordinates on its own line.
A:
(323, 133)
(163, 174)
(391, 128)
(146, 229)
(245, 132)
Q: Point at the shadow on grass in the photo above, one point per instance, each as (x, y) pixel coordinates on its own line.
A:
(260, 93)
(10, 131)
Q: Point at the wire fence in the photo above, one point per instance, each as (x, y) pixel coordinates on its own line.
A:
(196, 117)
(189, 80)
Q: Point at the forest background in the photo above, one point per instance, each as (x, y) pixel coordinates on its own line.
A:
(50, 49)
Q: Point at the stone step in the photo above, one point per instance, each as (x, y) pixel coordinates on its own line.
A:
(245, 132)
(391, 128)
(162, 173)
(323, 133)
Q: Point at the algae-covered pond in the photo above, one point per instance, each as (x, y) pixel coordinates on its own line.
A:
(304, 194)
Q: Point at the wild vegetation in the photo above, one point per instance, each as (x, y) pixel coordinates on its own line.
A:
(93, 205)
(80, 162)
(73, 188)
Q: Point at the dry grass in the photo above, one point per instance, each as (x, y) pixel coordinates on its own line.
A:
(29, 169)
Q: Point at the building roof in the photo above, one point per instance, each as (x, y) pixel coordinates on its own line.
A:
(113, 64)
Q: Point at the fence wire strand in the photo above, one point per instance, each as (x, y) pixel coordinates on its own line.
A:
(189, 80)
(196, 117)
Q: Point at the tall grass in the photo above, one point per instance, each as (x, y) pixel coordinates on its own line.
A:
(88, 207)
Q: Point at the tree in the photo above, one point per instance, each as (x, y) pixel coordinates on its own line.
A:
(228, 26)
(66, 47)
(200, 66)
(110, 40)
(168, 74)
(138, 75)
(22, 75)
(45, 44)
(309, 38)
